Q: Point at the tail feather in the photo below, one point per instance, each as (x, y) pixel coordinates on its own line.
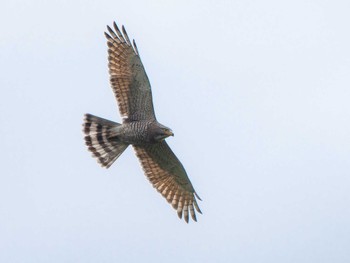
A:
(101, 137)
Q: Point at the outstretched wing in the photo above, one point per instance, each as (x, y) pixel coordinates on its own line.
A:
(169, 177)
(128, 78)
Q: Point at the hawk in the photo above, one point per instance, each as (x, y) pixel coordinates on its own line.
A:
(107, 140)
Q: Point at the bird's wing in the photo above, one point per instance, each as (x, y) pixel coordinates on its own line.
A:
(128, 78)
(169, 177)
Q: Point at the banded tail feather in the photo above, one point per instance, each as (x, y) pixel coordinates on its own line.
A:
(101, 137)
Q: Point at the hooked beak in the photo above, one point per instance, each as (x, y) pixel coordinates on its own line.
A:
(169, 133)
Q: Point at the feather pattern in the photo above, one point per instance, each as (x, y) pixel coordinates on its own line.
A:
(128, 77)
(100, 137)
(167, 175)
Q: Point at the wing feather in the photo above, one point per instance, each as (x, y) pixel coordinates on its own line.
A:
(169, 177)
(128, 77)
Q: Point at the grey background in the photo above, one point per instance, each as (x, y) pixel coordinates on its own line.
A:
(257, 93)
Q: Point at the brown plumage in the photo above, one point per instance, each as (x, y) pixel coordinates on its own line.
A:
(107, 140)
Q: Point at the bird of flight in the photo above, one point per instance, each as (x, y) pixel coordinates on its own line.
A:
(107, 140)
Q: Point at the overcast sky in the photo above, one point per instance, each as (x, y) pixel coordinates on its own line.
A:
(256, 92)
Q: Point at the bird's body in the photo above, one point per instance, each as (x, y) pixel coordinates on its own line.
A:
(138, 132)
(107, 140)
(142, 132)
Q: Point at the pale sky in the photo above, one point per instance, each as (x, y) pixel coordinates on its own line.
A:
(256, 92)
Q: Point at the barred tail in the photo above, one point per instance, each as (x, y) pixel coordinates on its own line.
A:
(101, 137)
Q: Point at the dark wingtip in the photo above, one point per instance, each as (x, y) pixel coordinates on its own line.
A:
(107, 35)
(179, 214)
(197, 196)
(126, 37)
(135, 47)
(194, 217)
(186, 219)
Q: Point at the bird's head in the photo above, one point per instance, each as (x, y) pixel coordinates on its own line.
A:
(161, 132)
